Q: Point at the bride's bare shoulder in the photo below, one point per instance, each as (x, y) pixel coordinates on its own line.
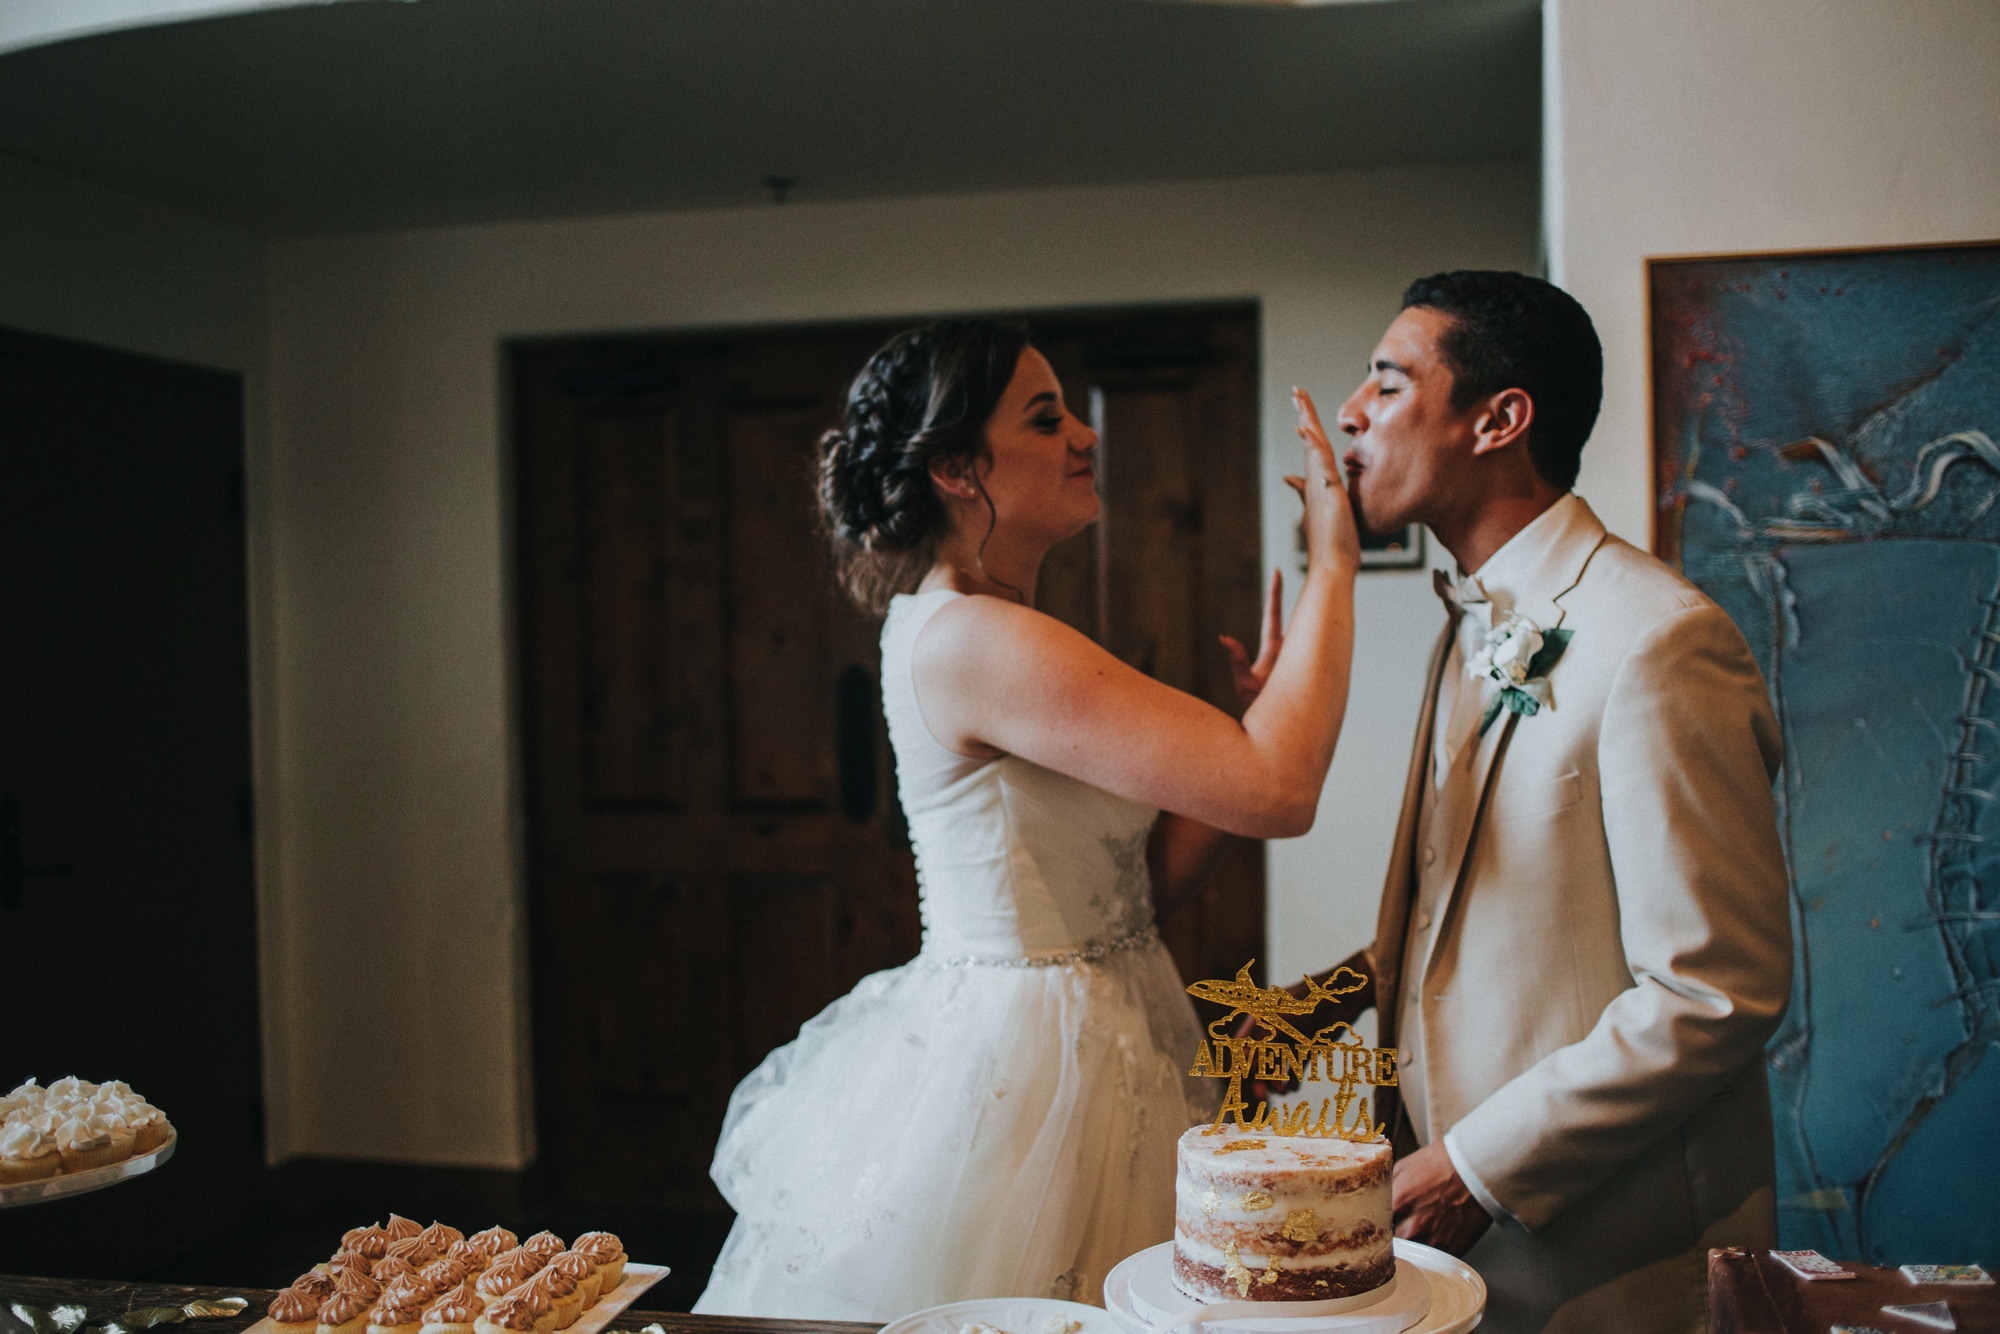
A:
(980, 629)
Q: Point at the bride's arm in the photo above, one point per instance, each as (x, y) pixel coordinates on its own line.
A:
(994, 676)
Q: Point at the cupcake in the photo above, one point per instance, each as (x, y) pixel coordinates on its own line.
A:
(346, 1312)
(91, 1141)
(445, 1273)
(494, 1240)
(411, 1287)
(608, 1252)
(413, 1249)
(28, 1152)
(390, 1267)
(371, 1241)
(294, 1311)
(581, 1270)
(357, 1281)
(400, 1228)
(470, 1254)
(541, 1304)
(509, 1315)
(397, 1311)
(544, 1246)
(502, 1277)
(350, 1262)
(149, 1123)
(565, 1302)
(453, 1312)
(442, 1236)
(316, 1283)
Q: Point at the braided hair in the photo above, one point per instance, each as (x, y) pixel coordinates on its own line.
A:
(926, 396)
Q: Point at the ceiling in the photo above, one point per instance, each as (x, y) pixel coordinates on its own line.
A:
(362, 116)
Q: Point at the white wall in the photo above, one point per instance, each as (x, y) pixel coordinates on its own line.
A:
(399, 870)
(1702, 126)
(84, 262)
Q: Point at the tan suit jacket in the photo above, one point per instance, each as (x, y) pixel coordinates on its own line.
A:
(1613, 951)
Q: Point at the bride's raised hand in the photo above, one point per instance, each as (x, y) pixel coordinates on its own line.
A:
(1251, 676)
(1332, 538)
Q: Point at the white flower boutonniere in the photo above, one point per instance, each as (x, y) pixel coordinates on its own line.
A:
(1517, 655)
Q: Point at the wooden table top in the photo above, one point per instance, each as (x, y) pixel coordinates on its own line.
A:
(107, 1300)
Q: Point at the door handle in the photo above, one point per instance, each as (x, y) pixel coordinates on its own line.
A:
(854, 737)
(13, 873)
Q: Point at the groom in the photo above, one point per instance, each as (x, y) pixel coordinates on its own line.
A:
(1584, 938)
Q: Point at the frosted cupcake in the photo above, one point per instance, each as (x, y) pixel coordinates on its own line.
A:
(357, 1281)
(565, 1298)
(371, 1242)
(389, 1268)
(28, 1152)
(346, 1312)
(509, 1315)
(581, 1270)
(316, 1283)
(494, 1240)
(470, 1254)
(608, 1252)
(398, 1311)
(507, 1272)
(90, 1141)
(413, 1249)
(442, 1236)
(294, 1311)
(445, 1273)
(400, 1228)
(453, 1312)
(544, 1246)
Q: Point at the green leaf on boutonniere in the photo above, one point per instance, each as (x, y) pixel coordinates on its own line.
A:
(1550, 653)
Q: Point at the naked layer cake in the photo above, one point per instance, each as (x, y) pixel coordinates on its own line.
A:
(1276, 1218)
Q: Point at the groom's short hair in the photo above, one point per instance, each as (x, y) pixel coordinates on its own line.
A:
(1511, 331)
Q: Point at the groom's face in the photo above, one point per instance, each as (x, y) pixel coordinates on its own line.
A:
(1407, 444)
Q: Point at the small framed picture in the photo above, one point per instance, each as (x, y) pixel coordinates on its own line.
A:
(1402, 549)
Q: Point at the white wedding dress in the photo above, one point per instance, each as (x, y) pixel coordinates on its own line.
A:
(998, 1116)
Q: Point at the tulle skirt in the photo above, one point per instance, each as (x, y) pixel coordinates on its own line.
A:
(947, 1132)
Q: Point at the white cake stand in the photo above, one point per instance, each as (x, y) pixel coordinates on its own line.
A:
(1432, 1293)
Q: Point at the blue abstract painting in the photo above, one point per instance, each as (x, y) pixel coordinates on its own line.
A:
(1825, 431)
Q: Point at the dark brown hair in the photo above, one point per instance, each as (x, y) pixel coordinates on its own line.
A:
(926, 396)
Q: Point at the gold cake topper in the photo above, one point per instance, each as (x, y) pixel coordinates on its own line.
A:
(1284, 1052)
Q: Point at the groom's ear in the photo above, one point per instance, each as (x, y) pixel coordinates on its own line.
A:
(1503, 421)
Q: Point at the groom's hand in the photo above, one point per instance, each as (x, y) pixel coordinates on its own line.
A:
(1431, 1203)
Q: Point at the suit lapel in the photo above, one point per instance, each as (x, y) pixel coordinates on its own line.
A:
(1539, 597)
(1393, 919)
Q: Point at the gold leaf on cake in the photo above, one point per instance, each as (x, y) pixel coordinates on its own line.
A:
(1235, 1271)
(1211, 1200)
(1270, 1272)
(1240, 1145)
(1302, 1225)
(1255, 1202)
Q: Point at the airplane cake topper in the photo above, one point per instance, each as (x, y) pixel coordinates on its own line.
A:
(1283, 1052)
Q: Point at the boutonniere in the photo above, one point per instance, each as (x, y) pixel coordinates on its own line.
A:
(1518, 655)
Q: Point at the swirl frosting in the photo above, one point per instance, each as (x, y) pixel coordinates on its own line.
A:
(457, 1307)
(26, 1139)
(545, 1246)
(501, 1278)
(554, 1282)
(390, 1266)
(602, 1247)
(399, 1227)
(398, 1306)
(83, 1132)
(470, 1254)
(295, 1306)
(445, 1273)
(357, 1281)
(442, 1236)
(413, 1249)
(316, 1284)
(515, 1312)
(344, 1306)
(574, 1265)
(370, 1241)
(494, 1240)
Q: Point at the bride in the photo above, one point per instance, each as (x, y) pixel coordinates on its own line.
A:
(998, 1116)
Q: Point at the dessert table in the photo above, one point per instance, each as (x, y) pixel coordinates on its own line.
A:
(108, 1300)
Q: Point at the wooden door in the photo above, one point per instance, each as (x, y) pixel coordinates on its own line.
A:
(128, 945)
(716, 851)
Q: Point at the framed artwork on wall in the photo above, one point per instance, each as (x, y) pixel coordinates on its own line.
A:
(1402, 549)
(1826, 446)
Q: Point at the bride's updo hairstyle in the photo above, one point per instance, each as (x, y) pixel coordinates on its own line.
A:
(926, 396)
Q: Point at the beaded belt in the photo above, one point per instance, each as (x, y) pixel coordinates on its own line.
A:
(1148, 934)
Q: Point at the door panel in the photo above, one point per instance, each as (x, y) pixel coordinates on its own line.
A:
(715, 848)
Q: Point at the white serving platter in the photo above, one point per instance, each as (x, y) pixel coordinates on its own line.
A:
(80, 1183)
(1433, 1293)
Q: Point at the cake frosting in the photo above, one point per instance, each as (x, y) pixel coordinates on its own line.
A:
(1263, 1217)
